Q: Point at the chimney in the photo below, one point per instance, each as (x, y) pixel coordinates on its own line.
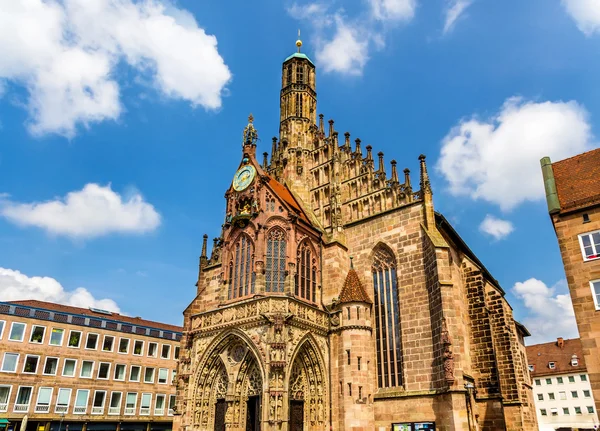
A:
(560, 342)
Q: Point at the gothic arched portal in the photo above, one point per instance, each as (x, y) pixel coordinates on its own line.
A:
(307, 390)
(228, 389)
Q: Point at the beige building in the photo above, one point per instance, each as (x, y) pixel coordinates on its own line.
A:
(336, 298)
(562, 391)
(573, 195)
(75, 369)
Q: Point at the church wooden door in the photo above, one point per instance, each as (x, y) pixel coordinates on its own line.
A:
(296, 415)
(220, 409)
(253, 414)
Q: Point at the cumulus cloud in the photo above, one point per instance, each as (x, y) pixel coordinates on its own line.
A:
(455, 9)
(498, 159)
(15, 286)
(550, 311)
(496, 227)
(87, 213)
(343, 42)
(66, 52)
(586, 14)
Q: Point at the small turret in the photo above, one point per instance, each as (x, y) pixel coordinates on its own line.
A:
(395, 181)
(381, 169)
(357, 150)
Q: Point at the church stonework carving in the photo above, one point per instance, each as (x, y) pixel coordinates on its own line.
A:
(329, 300)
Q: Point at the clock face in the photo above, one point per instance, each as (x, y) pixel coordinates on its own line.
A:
(243, 177)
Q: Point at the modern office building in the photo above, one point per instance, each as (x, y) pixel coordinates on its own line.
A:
(562, 391)
(66, 368)
(573, 195)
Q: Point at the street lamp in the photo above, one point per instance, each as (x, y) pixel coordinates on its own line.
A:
(62, 416)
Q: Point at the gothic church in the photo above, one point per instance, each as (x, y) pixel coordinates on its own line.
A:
(337, 298)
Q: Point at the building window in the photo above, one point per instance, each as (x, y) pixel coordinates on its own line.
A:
(107, 345)
(583, 378)
(87, 369)
(531, 368)
(159, 405)
(551, 365)
(554, 412)
(551, 396)
(387, 318)
(543, 412)
(9, 363)
(165, 353)
(176, 353)
(163, 375)
(124, 345)
(37, 334)
(145, 404)
(289, 75)
(138, 347)
(300, 74)
(130, 403)
(17, 331)
(56, 336)
(114, 407)
(590, 245)
(149, 375)
(241, 276)
(586, 393)
(98, 402)
(2, 325)
(565, 411)
(103, 370)
(69, 368)
(31, 364)
(23, 399)
(51, 366)
(538, 382)
(574, 394)
(62, 400)
(275, 261)
(540, 397)
(152, 349)
(120, 372)
(91, 341)
(595, 286)
(571, 379)
(559, 380)
(172, 400)
(306, 278)
(577, 410)
(299, 106)
(42, 404)
(562, 395)
(548, 381)
(74, 339)
(358, 362)
(81, 400)
(134, 373)
(350, 389)
(4, 397)
(574, 361)
(590, 409)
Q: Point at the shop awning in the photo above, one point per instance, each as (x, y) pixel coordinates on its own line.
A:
(3, 421)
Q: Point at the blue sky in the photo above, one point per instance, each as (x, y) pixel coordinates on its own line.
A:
(121, 122)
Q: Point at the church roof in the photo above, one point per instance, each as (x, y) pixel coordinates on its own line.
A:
(299, 55)
(353, 290)
(285, 195)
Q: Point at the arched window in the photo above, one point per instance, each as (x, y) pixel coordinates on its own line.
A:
(241, 275)
(306, 277)
(299, 105)
(289, 75)
(387, 318)
(275, 267)
(300, 74)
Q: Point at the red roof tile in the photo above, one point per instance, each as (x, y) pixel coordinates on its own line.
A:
(540, 355)
(285, 195)
(353, 290)
(87, 312)
(578, 180)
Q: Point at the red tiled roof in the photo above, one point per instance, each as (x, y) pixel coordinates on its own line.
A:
(539, 355)
(353, 290)
(578, 180)
(285, 195)
(87, 312)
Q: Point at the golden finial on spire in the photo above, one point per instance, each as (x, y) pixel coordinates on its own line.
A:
(250, 118)
(298, 42)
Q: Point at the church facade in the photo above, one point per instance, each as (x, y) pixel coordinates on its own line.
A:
(336, 298)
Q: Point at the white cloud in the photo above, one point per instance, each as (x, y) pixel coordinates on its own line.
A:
(65, 53)
(550, 312)
(347, 52)
(91, 212)
(15, 285)
(454, 10)
(586, 14)
(393, 10)
(498, 159)
(496, 227)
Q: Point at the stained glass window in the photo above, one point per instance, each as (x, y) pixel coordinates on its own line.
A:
(306, 277)
(387, 318)
(240, 270)
(275, 265)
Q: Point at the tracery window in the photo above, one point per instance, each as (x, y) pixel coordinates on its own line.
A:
(289, 75)
(299, 105)
(300, 74)
(387, 318)
(306, 277)
(275, 262)
(241, 276)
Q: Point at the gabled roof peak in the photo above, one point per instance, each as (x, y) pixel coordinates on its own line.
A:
(353, 290)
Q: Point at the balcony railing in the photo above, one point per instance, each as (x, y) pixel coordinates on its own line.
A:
(41, 408)
(79, 410)
(129, 410)
(144, 411)
(114, 410)
(61, 409)
(3, 407)
(97, 410)
(159, 412)
(21, 408)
